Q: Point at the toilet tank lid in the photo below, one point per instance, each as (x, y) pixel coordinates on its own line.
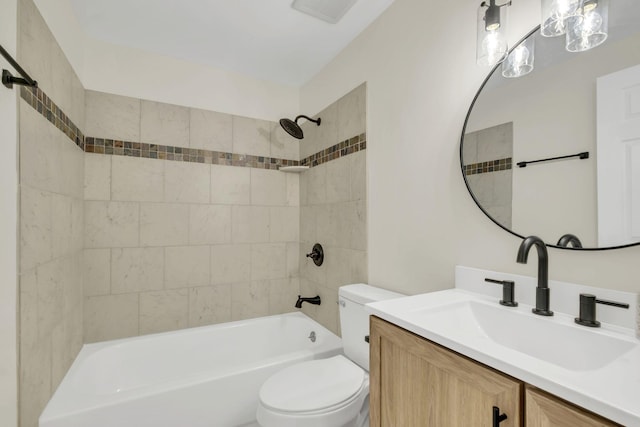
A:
(364, 294)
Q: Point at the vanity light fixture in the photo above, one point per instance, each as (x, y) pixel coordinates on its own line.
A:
(491, 47)
(555, 14)
(519, 62)
(585, 22)
(590, 28)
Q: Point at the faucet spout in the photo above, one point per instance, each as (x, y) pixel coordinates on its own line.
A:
(542, 290)
(314, 300)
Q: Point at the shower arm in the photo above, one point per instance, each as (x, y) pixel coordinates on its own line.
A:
(301, 116)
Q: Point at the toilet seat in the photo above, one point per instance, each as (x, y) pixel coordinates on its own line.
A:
(319, 393)
(313, 386)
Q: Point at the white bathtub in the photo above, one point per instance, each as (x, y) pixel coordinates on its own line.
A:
(200, 377)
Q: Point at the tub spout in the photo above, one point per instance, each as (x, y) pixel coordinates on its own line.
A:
(315, 300)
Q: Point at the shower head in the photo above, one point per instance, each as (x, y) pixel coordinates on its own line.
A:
(293, 128)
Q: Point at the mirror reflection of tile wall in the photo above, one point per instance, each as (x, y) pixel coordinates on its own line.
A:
(487, 157)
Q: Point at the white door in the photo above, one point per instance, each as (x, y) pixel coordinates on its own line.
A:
(618, 156)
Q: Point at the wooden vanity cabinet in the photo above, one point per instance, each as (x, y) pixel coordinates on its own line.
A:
(545, 410)
(415, 383)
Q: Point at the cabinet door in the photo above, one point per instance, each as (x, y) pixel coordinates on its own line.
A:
(545, 410)
(415, 382)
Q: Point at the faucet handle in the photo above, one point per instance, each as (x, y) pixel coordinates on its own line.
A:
(588, 309)
(507, 291)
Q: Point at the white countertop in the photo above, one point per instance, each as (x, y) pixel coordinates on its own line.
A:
(611, 390)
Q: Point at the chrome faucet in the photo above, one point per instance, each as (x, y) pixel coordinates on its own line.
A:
(542, 290)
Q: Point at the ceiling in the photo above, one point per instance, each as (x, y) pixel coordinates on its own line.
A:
(265, 39)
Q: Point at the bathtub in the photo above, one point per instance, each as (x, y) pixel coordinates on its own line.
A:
(201, 377)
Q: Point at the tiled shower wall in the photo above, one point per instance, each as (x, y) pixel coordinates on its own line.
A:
(172, 244)
(487, 156)
(51, 219)
(333, 201)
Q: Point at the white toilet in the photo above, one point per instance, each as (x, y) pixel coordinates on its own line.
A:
(331, 392)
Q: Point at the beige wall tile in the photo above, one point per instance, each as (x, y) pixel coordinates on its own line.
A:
(352, 118)
(35, 382)
(71, 167)
(162, 311)
(39, 161)
(35, 228)
(327, 132)
(111, 224)
(268, 187)
(77, 111)
(137, 179)
(187, 182)
(110, 317)
(209, 224)
(97, 177)
(35, 45)
(230, 263)
(136, 270)
(293, 189)
(230, 185)
(164, 224)
(358, 176)
(164, 124)
(317, 185)
(328, 315)
(97, 272)
(356, 213)
(283, 145)
(249, 224)
(283, 294)
(209, 305)
(249, 300)
(61, 72)
(210, 130)
(293, 259)
(61, 221)
(309, 289)
(77, 224)
(112, 116)
(268, 261)
(308, 224)
(345, 266)
(251, 136)
(186, 266)
(285, 224)
(28, 310)
(338, 188)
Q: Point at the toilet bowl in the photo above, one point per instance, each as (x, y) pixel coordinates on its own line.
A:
(331, 392)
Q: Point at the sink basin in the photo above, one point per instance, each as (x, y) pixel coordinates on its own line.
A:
(555, 340)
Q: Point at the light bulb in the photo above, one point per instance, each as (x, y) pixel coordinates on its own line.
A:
(494, 47)
(591, 23)
(555, 12)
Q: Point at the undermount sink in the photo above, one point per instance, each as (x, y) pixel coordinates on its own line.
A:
(555, 340)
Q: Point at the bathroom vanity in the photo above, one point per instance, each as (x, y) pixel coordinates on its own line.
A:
(416, 382)
(458, 357)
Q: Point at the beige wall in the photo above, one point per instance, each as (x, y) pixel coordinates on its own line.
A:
(51, 221)
(171, 245)
(8, 230)
(333, 208)
(421, 77)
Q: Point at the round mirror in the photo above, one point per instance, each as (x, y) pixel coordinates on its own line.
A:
(556, 151)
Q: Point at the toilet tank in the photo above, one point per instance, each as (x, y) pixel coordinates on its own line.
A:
(354, 319)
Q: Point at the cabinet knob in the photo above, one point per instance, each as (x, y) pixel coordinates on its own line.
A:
(498, 417)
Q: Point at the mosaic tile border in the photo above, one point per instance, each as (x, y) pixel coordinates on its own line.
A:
(182, 154)
(40, 102)
(490, 166)
(341, 149)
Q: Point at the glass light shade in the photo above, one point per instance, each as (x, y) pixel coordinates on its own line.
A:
(491, 47)
(519, 62)
(555, 14)
(590, 28)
